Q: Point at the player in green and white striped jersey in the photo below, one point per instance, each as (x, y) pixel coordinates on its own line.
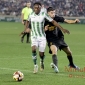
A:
(38, 38)
(37, 24)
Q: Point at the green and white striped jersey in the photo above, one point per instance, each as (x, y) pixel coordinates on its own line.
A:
(37, 23)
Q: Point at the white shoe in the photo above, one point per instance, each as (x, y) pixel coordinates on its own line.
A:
(55, 67)
(35, 69)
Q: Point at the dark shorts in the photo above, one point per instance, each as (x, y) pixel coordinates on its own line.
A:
(59, 43)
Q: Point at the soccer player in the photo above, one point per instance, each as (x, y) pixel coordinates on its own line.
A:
(55, 39)
(38, 38)
(26, 11)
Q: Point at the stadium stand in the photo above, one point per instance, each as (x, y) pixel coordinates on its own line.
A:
(72, 8)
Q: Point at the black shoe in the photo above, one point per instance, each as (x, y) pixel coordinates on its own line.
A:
(74, 66)
(22, 39)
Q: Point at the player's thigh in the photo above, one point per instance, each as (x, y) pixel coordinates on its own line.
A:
(53, 49)
(34, 42)
(67, 50)
(42, 45)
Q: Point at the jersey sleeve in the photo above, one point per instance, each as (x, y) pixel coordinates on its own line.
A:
(59, 19)
(47, 17)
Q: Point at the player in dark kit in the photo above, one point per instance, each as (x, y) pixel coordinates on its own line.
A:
(55, 38)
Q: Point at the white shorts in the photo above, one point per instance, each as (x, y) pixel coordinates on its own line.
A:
(39, 42)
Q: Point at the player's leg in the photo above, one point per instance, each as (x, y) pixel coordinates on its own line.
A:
(28, 35)
(42, 56)
(22, 38)
(24, 34)
(54, 65)
(34, 45)
(70, 58)
(34, 55)
(42, 46)
(54, 54)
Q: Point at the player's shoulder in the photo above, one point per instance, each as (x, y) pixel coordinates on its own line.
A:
(56, 16)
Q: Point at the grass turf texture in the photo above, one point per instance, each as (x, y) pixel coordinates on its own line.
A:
(15, 55)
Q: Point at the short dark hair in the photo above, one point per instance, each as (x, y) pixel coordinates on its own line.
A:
(50, 9)
(37, 3)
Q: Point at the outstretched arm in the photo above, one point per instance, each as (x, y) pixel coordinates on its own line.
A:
(71, 21)
(62, 29)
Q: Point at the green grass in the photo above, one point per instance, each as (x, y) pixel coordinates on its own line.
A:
(15, 55)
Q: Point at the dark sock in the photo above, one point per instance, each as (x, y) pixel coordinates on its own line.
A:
(23, 35)
(55, 60)
(28, 37)
(34, 57)
(70, 58)
(42, 58)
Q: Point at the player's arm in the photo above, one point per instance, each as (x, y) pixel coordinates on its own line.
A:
(61, 28)
(26, 26)
(71, 21)
(56, 24)
(22, 15)
(26, 30)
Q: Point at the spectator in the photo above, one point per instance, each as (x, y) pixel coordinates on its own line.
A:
(74, 8)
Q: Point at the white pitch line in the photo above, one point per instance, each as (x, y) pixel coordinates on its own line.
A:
(14, 58)
(31, 57)
(53, 73)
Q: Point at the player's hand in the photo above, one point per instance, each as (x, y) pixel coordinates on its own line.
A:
(46, 27)
(66, 31)
(77, 20)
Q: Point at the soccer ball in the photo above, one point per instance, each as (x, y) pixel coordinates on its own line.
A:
(18, 76)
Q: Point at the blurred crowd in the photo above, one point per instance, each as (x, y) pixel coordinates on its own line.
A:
(72, 8)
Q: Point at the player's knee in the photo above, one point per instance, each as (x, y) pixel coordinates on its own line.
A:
(41, 53)
(33, 49)
(54, 51)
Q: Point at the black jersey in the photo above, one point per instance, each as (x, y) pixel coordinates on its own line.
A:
(53, 33)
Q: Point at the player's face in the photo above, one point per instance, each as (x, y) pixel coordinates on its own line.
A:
(51, 14)
(28, 4)
(37, 9)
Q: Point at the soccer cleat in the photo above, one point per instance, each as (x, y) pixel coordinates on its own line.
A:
(35, 69)
(54, 67)
(41, 66)
(74, 66)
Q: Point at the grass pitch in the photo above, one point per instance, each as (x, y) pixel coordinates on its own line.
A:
(15, 56)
